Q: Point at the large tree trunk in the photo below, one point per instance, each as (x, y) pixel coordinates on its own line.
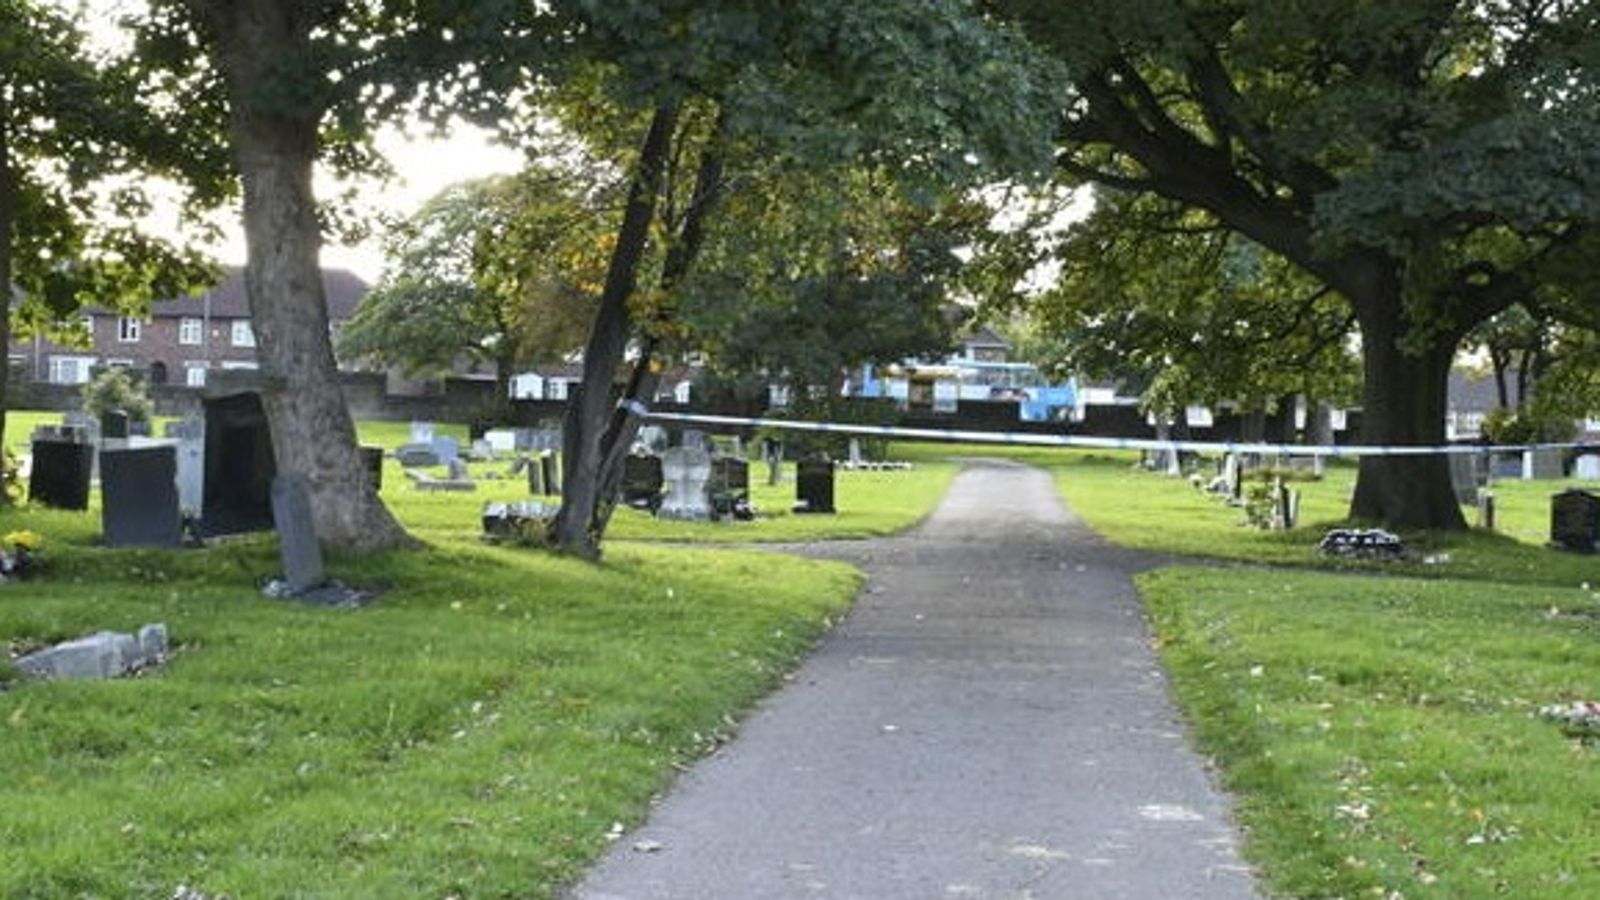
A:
(590, 412)
(274, 147)
(8, 218)
(1403, 404)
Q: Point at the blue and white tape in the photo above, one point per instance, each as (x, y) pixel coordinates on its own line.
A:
(1090, 441)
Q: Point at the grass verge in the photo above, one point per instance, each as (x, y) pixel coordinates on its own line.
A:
(476, 732)
(1381, 734)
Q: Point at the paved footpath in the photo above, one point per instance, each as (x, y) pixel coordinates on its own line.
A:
(989, 722)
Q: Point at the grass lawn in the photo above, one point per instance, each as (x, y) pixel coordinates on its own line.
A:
(1381, 733)
(476, 732)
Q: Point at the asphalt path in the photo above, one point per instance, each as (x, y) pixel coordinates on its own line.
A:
(989, 722)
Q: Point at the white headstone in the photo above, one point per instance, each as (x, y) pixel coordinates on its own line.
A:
(421, 432)
(685, 471)
(1587, 467)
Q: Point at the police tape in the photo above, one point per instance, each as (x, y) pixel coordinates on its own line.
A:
(1018, 438)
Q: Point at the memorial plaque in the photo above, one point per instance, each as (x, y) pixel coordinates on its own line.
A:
(139, 497)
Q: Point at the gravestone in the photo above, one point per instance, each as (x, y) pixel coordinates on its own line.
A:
(729, 487)
(535, 473)
(501, 440)
(458, 470)
(1575, 520)
(113, 424)
(190, 433)
(372, 457)
(1233, 477)
(87, 424)
(685, 470)
(139, 504)
(855, 457)
(239, 466)
(814, 485)
(414, 456)
(446, 448)
(1468, 473)
(642, 480)
(550, 471)
(1485, 509)
(1587, 467)
(61, 473)
(772, 452)
(1542, 464)
(421, 432)
(297, 536)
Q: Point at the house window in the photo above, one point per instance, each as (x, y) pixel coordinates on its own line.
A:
(194, 374)
(128, 329)
(190, 330)
(70, 369)
(88, 326)
(243, 334)
(119, 363)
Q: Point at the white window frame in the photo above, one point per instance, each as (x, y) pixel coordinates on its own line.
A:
(194, 372)
(128, 330)
(242, 334)
(191, 331)
(239, 364)
(79, 366)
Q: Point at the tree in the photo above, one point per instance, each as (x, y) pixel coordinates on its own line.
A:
(501, 271)
(810, 274)
(1427, 162)
(74, 136)
(279, 85)
(823, 82)
(1165, 297)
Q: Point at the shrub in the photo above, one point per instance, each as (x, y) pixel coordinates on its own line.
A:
(116, 389)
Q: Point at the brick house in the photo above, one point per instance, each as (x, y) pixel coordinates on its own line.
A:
(178, 341)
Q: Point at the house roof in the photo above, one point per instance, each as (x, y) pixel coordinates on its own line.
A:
(345, 291)
(1477, 393)
(985, 337)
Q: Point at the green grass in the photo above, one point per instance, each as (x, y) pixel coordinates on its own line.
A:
(1381, 732)
(475, 732)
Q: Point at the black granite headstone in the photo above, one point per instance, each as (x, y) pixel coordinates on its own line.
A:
(239, 466)
(550, 471)
(1575, 520)
(814, 485)
(642, 481)
(61, 471)
(113, 424)
(139, 497)
(373, 457)
(729, 485)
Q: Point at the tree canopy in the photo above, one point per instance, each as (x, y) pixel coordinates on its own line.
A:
(1428, 162)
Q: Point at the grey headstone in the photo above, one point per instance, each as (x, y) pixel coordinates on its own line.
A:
(421, 432)
(1587, 467)
(856, 458)
(550, 471)
(417, 455)
(446, 448)
(458, 469)
(139, 497)
(152, 641)
(685, 471)
(1542, 464)
(1468, 472)
(297, 537)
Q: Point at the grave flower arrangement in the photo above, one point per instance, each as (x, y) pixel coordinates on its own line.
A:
(1579, 720)
(19, 554)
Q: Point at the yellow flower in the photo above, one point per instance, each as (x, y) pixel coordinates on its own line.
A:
(23, 540)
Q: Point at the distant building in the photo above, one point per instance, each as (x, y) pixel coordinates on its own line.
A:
(179, 341)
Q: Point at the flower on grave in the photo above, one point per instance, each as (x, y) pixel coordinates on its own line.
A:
(18, 552)
(1580, 719)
